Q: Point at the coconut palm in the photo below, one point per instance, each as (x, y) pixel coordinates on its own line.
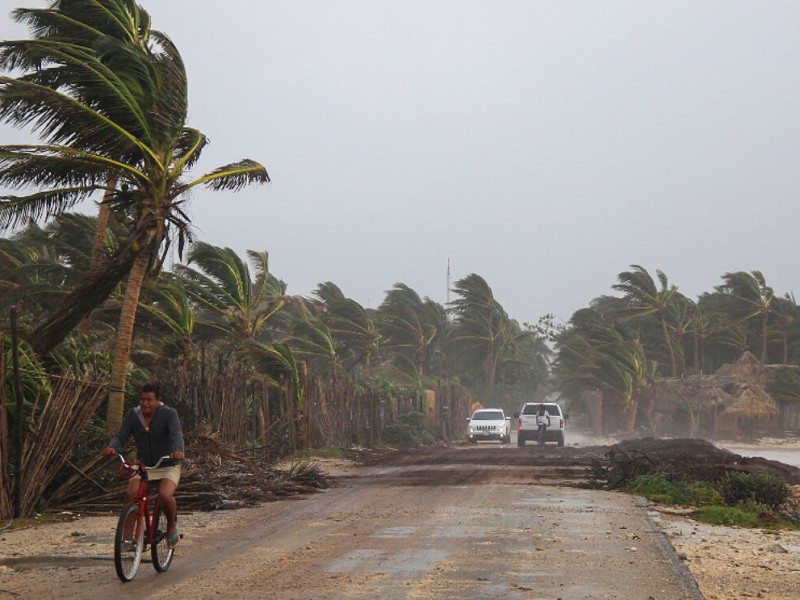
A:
(785, 312)
(596, 352)
(647, 301)
(412, 330)
(236, 303)
(752, 301)
(352, 326)
(482, 330)
(107, 96)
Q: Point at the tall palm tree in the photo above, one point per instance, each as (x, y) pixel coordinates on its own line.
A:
(593, 352)
(411, 329)
(235, 302)
(786, 316)
(352, 326)
(481, 330)
(753, 300)
(646, 300)
(108, 97)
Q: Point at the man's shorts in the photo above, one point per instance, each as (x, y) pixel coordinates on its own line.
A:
(173, 473)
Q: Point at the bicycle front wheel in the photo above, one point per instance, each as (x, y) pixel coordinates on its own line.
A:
(160, 551)
(128, 542)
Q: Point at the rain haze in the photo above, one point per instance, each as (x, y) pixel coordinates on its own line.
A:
(545, 146)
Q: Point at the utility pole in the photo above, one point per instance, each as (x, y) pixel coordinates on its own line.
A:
(448, 280)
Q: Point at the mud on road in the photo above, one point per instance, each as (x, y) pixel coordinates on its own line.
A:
(436, 523)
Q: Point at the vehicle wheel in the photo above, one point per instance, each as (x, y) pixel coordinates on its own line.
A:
(160, 551)
(128, 543)
(507, 439)
(561, 439)
(520, 441)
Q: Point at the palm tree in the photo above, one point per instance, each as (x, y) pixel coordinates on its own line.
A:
(594, 352)
(108, 97)
(786, 315)
(648, 301)
(236, 303)
(412, 329)
(481, 330)
(753, 300)
(352, 326)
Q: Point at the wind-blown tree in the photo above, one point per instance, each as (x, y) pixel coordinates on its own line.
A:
(786, 317)
(752, 301)
(413, 330)
(352, 327)
(482, 329)
(168, 305)
(312, 341)
(647, 301)
(236, 303)
(108, 97)
(597, 352)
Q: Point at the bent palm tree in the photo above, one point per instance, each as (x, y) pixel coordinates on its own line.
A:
(753, 300)
(108, 97)
(648, 301)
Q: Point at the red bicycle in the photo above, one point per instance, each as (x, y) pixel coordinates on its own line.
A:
(140, 526)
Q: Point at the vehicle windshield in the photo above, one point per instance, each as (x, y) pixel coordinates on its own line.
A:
(488, 415)
(532, 409)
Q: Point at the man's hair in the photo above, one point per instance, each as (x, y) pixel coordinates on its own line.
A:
(151, 387)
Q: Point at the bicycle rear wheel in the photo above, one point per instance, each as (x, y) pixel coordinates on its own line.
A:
(128, 543)
(160, 551)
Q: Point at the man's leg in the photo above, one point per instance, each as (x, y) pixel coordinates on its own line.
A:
(166, 494)
(133, 489)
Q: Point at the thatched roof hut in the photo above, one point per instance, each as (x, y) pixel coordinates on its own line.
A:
(731, 398)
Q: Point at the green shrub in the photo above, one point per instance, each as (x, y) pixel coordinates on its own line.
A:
(658, 487)
(763, 488)
(728, 515)
(407, 431)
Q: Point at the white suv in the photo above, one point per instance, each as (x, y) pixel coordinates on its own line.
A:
(528, 430)
(489, 424)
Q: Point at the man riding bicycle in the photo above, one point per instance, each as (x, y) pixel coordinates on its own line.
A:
(157, 432)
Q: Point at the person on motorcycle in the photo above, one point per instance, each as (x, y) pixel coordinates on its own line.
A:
(542, 416)
(542, 422)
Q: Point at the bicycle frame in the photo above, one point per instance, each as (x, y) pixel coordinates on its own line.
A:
(128, 470)
(140, 527)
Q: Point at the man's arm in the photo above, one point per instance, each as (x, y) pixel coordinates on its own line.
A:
(175, 437)
(119, 439)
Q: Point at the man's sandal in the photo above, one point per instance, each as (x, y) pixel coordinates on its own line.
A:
(172, 540)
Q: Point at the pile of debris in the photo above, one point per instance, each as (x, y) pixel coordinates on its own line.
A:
(699, 459)
(214, 476)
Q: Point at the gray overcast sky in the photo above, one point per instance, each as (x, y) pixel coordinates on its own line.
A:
(545, 146)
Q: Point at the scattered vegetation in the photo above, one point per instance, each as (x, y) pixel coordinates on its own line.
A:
(736, 498)
(408, 431)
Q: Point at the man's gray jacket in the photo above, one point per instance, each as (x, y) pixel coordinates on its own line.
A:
(163, 437)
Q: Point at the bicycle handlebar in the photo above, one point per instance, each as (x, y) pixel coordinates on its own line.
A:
(137, 466)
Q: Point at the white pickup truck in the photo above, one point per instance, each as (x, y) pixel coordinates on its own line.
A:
(529, 430)
(489, 424)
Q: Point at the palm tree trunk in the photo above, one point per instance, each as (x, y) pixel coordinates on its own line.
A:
(669, 347)
(91, 291)
(122, 346)
(96, 261)
(764, 339)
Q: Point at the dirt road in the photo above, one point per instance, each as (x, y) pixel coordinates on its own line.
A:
(460, 528)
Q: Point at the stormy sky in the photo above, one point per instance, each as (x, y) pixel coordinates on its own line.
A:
(545, 146)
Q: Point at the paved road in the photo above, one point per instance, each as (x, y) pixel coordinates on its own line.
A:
(447, 530)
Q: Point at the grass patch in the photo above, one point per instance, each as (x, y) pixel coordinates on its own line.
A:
(658, 487)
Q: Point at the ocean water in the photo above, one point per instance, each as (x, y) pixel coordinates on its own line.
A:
(789, 457)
